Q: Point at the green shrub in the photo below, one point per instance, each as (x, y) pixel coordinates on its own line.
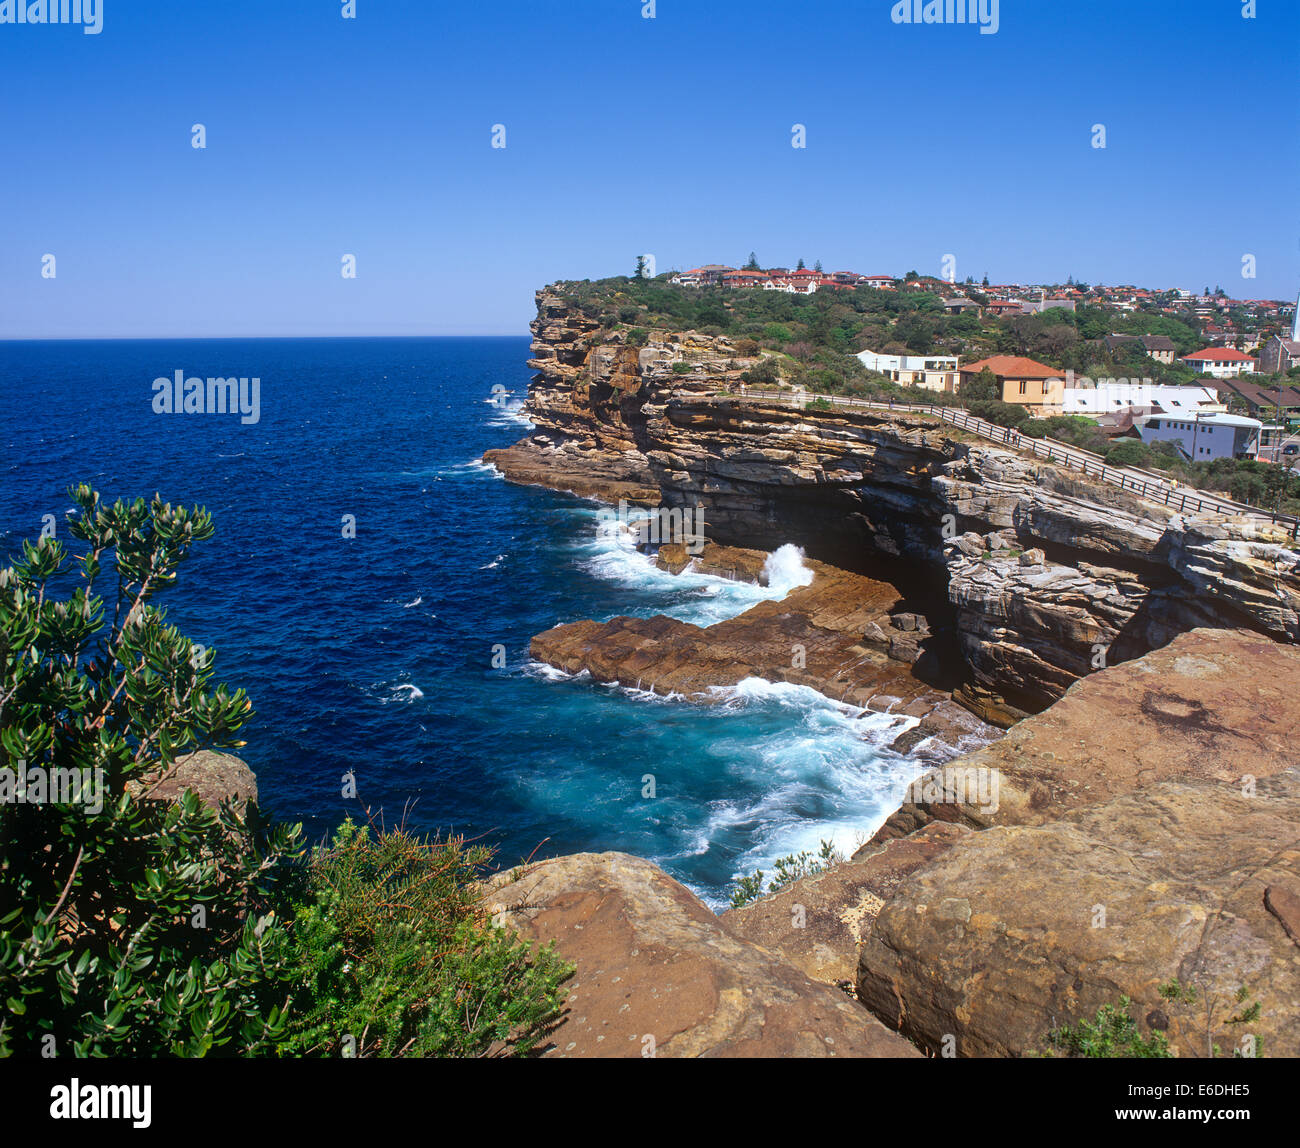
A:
(683, 368)
(141, 928)
(395, 952)
(1128, 452)
(638, 337)
(789, 868)
(765, 371)
(1111, 1034)
(996, 411)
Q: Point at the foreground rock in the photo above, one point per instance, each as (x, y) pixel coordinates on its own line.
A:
(1014, 931)
(1214, 705)
(214, 777)
(659, 974)
(818, 923)
(833, 635)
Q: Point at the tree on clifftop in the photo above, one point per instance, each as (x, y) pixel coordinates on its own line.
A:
(752, 265)
(640, 267)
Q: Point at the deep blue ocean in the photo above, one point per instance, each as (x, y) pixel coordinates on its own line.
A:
(374, 654)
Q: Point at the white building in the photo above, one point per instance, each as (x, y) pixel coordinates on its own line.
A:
(1203, 437)
(1221, 362)
(933, 372)
(1112, 396)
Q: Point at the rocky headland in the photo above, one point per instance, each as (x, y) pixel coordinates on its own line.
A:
(1138, 825)
(1040, 575)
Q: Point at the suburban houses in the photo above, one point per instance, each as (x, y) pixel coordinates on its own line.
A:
(1109, 396)
(1227, 416)
(933, 372)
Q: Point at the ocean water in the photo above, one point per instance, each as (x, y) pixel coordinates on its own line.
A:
(374, 654)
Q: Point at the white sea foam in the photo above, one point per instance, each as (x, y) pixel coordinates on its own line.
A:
(827, 774)
(475, 468)
(405, 692)
(510, 414)
(785, 570)
(609, 553)
(551, 673)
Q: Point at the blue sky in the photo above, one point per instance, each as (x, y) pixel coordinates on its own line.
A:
(624, 135)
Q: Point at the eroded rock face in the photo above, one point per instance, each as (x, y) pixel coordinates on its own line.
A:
(817, 923)
(659, 974)
(1014, 931)
(1216, 706)
(1107, 573)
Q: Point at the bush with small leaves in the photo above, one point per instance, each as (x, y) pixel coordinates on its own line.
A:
(787, 869)
(1113, 1033)
(395, 951)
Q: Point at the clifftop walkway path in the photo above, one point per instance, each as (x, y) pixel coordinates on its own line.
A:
(1143, 483)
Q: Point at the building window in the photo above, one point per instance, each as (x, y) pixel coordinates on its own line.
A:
(1023, 386)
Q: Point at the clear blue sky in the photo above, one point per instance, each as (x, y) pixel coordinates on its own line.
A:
(624, 135)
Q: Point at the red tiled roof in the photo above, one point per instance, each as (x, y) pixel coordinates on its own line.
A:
(1221, 355)
(1014, 367)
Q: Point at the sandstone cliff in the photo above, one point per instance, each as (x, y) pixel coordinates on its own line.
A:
(1043, 575)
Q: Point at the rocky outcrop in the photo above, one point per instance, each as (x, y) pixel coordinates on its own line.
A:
(1017, 930)
(1143, 830)
(818, 923)
(1043, 573)
(835, 635)
(659, 975)
(1214, 706)
(214, 778)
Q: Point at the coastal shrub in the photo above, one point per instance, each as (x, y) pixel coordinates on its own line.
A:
(1202, 1009)
(396, 956)
(765, 371)
(787, 869)
(1129, 452)
(1111, 1034)
(128, 926)
(996, 411)
(681, 368)
(638, 337)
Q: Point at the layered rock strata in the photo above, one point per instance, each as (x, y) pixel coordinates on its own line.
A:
(1045, 574)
